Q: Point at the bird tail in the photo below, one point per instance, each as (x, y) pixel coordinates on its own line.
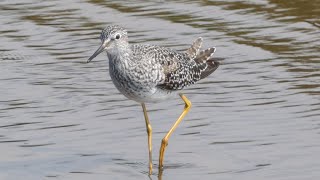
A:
(205, 56)
(212, 66)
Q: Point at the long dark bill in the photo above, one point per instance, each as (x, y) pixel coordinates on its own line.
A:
(99, 50)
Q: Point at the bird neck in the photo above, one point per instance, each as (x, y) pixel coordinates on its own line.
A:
(121, 57)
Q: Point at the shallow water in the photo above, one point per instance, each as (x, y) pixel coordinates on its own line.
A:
(256, 117)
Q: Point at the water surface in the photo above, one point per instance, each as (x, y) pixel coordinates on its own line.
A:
(256, 117)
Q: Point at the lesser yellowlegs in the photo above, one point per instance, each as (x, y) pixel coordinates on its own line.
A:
(147, 73)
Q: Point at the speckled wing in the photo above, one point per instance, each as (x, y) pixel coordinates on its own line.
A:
(193, 51)
(186, 71)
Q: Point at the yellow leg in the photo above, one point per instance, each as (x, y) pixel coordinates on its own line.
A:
(149, 131)
(166, 138)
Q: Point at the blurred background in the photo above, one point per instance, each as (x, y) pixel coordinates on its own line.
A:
(256, 117)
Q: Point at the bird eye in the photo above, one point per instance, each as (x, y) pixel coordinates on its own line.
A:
(118, 36)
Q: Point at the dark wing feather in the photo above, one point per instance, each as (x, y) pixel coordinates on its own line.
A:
(188, 72)
(212, 65)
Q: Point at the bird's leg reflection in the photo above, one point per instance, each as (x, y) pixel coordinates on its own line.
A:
(160, 173)
(149, 131)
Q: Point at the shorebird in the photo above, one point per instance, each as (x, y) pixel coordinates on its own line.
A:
(149, 73)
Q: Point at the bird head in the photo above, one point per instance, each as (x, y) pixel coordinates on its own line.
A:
(112, 37)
